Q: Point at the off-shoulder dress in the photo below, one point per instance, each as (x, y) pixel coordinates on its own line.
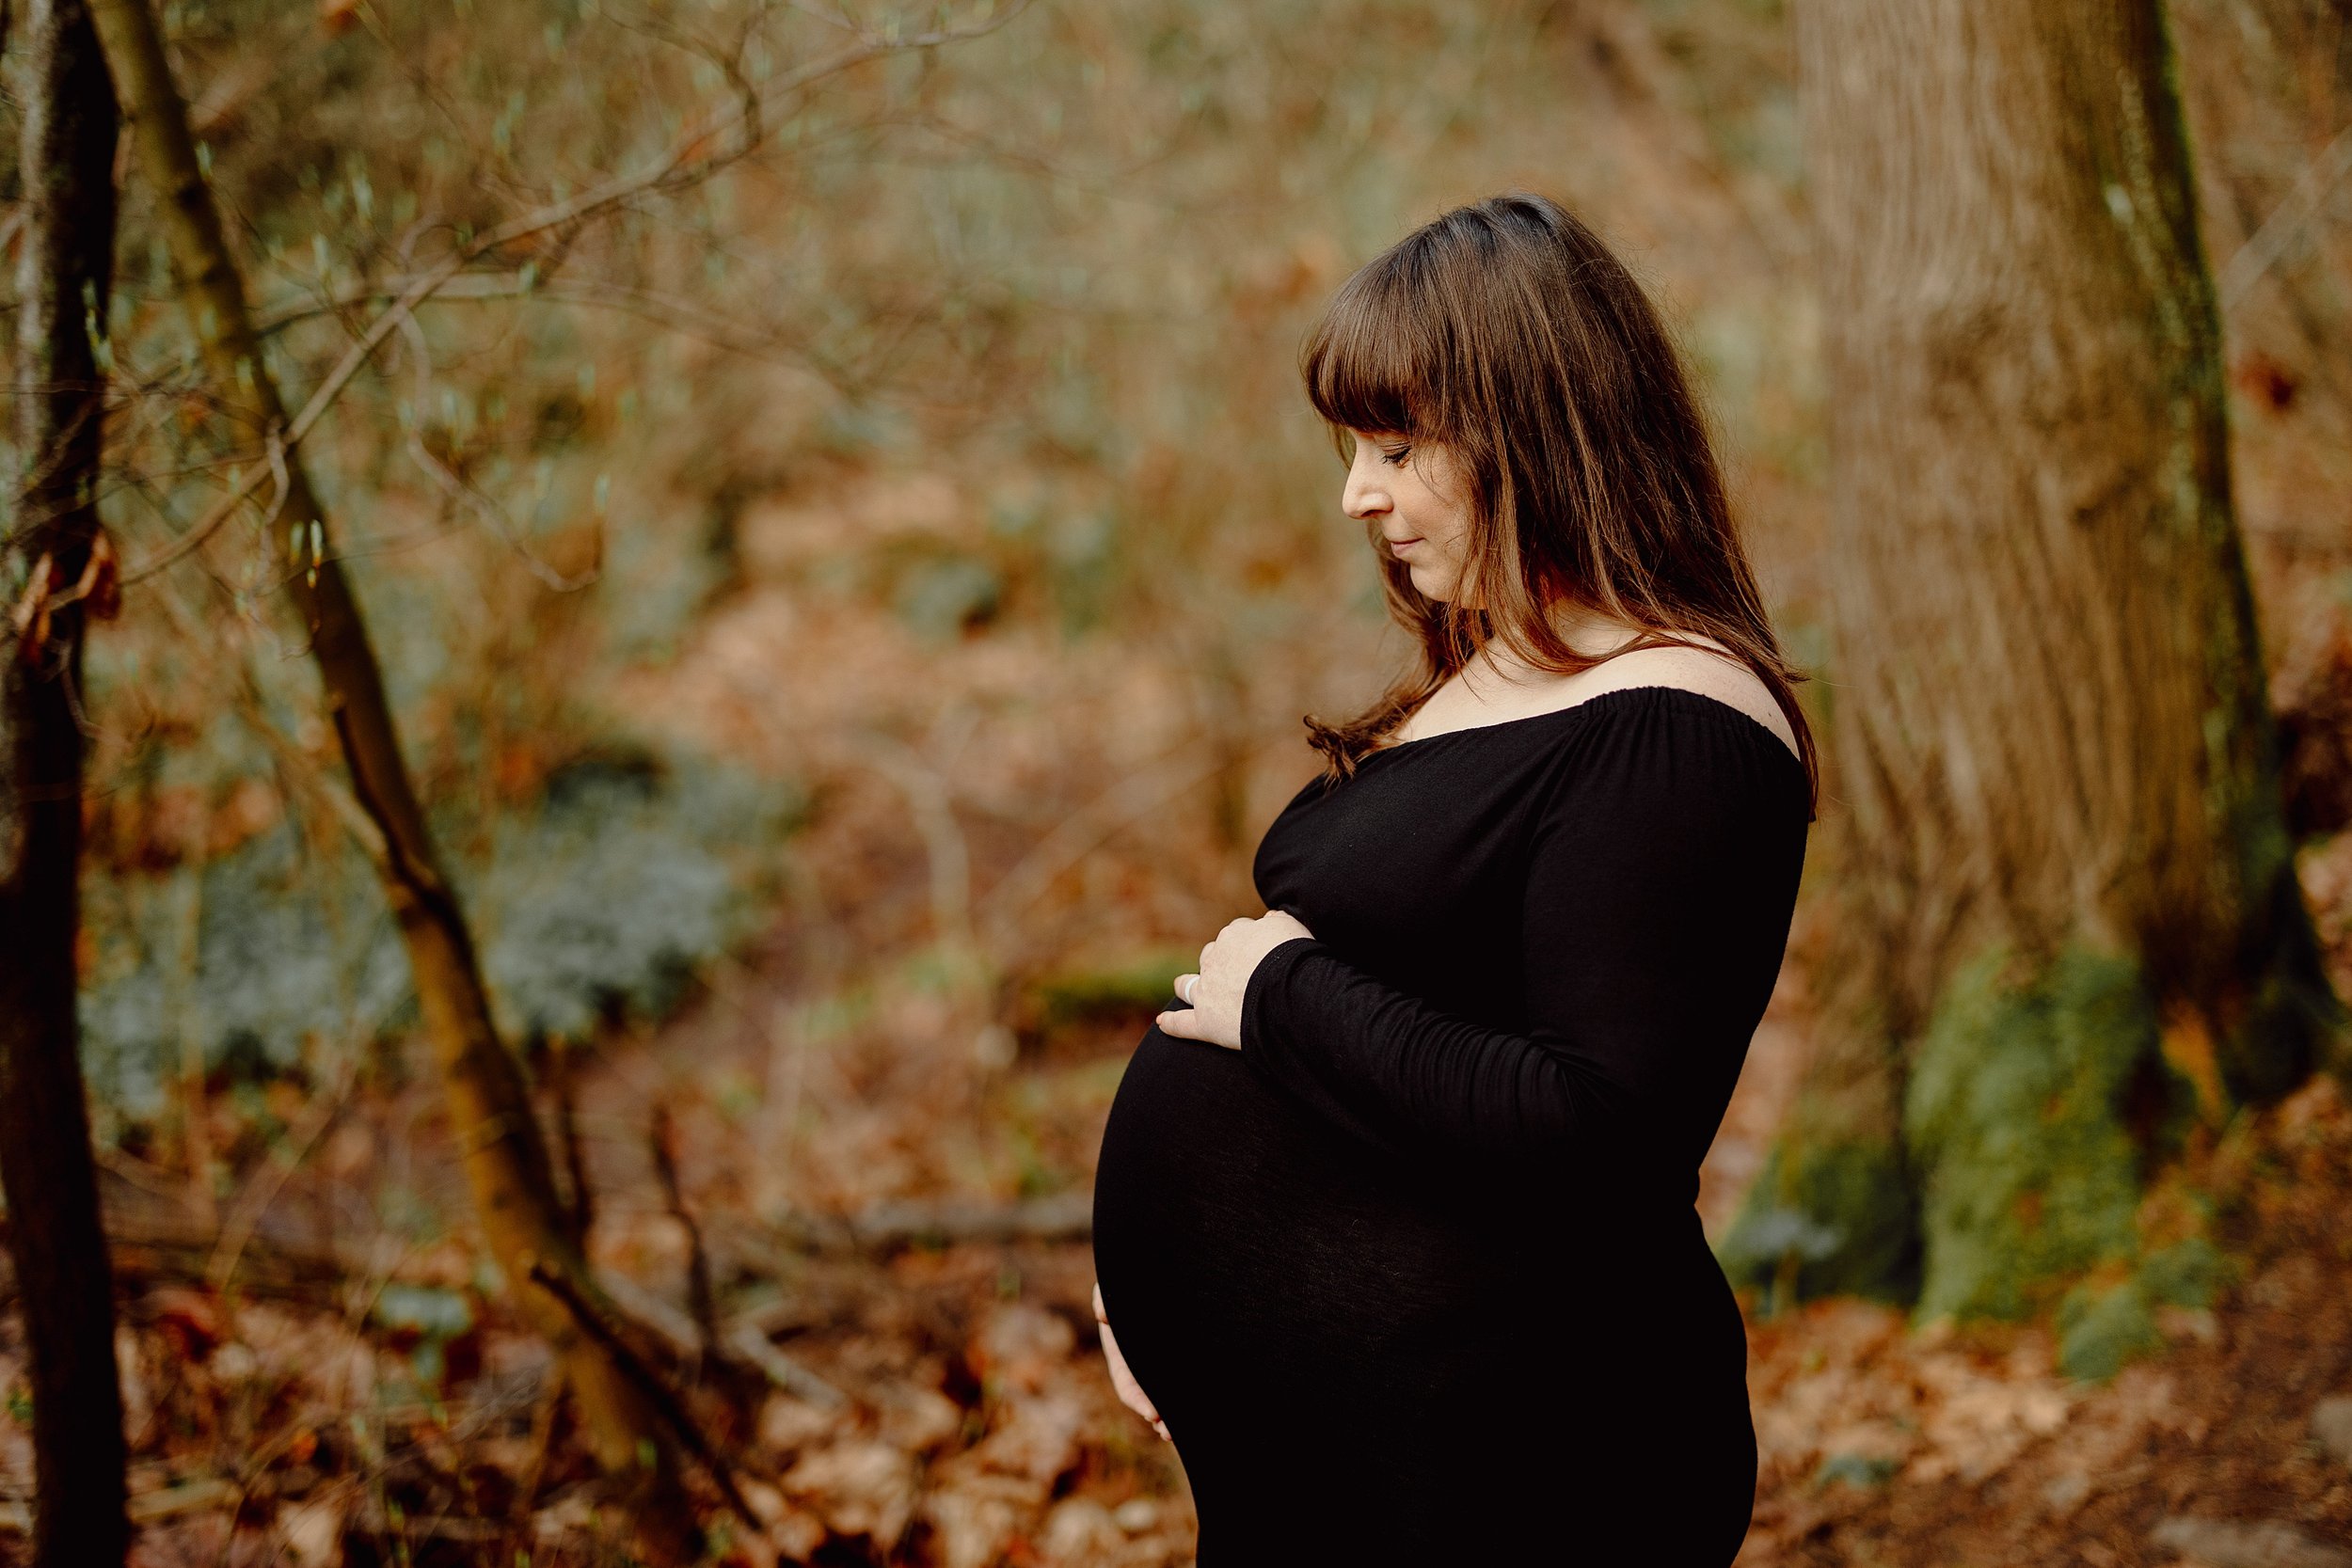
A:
(1416, 1276)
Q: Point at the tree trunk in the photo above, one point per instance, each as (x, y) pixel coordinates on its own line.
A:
(2074, 928)
(65, 277)
(490, 1114)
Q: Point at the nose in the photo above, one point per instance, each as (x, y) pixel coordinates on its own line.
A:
(1366, 496)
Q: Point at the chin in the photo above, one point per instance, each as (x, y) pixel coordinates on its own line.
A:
(1431, 587)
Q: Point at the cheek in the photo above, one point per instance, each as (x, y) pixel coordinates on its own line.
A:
(1436, 513)
(1443, 524)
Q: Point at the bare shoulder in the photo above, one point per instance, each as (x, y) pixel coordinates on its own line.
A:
(1705, 671)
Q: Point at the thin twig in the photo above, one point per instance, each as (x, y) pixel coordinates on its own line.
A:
(694, 155)
(581, 1212)
(542, 1444)
(466, 494)
(928, 802)
(661, 1140)
(717, 328)
(254, 1201)
(2269, 242)
(649, 1383)
(746, 1341)
(195, 1139)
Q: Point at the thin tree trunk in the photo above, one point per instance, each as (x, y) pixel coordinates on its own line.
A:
(490, 1113)
(2075, 924)
(65, 277)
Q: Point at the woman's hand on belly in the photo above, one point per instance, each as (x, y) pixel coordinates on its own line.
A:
(1123, 1382)
(1214, 996)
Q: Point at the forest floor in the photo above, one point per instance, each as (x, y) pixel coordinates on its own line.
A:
(358, 1397)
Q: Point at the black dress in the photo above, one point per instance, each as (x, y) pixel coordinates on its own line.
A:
(1416, 1274)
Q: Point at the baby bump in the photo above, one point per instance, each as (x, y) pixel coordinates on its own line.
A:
(1244, 1247)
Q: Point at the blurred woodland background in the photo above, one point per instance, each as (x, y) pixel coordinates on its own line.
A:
(712, 598)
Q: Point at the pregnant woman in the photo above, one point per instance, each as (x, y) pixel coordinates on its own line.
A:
(1394, 1215)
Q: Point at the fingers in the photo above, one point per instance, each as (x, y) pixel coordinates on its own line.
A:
(1131, 1394)
(1186, 1023)
(1181, 1024)
(1123, 1382)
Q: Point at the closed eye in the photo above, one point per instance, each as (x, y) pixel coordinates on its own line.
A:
(1395, 456)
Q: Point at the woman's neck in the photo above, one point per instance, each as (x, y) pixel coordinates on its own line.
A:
(1583, 630)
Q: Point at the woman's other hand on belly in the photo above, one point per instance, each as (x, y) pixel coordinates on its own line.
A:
(1123, 1382)
(1213, 997)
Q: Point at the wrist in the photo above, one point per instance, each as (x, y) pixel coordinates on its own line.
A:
(1261, 992)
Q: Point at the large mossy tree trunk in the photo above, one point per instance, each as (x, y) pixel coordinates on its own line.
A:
(54, 569)
(2072, 923)
(490, 1114)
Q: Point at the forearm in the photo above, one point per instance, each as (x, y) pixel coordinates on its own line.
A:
(1395, 1071)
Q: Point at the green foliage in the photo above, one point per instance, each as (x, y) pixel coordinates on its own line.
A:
(242, 960)
(1826, 1219)
(1861, 1471)
(1073, 554)
(2103, 1324)
(2186, 1274)
(2099, 1330)
(660, 587)
(2017, 1114)
(625, 880)
(604, 897)
(1078, 995)
(2033, 1106)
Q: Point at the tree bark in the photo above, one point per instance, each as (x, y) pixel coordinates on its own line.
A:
(65, 277)
(2074, 923)
(490, 1113)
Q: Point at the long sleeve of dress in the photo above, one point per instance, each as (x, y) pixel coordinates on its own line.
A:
(1650, 868)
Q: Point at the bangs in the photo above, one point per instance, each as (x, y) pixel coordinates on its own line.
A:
(1369, 363)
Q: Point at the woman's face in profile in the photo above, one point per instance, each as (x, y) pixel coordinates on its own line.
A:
(1406, 487)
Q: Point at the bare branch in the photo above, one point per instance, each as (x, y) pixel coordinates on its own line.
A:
(657, 1390)
(692, 157)
(672, 311)
(2264, 247)
(467, 495)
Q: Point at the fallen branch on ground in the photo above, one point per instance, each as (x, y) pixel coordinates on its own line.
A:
(650, 1383)
(887, 1228)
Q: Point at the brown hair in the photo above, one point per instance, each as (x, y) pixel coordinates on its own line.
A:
(1505, 332)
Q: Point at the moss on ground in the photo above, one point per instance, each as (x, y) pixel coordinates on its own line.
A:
(2104, 1322)
(1142, 985)
(2018, 1112)
(2099, 1329)
(2036, 1100)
